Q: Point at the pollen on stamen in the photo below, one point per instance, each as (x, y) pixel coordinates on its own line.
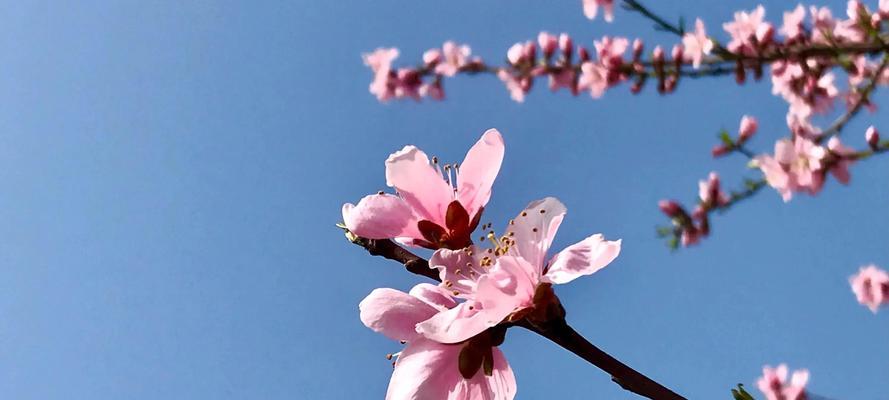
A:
(448, 283)
(380, 193)
(512, 222)
(543, 211)
(456, 293)
(533, 229)
(524, 214)
(434, 160)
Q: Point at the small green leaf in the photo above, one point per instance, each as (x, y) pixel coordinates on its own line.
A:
(726, 138)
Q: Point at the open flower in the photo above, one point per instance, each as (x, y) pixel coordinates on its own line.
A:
(426, 369)
(697, 44)
(436, 206)
(773, 383)
(871, 287)
(796, 166)
(500, 283)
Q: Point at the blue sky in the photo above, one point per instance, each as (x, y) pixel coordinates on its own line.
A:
(173, 171)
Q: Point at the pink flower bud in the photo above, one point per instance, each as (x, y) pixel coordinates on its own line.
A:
(529, 51)
(747, 129)
(514, 54)
(719, 150)
(566, 45)
(432, 57)
(676, 52)
(637, 49)
(583, 54)
(873, 137)
(670, 208)
(658, 55)
(548, 43)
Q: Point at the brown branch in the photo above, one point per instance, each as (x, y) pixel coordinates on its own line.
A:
(562, 334)
(388, 249)
(863, 98)
(557, 330)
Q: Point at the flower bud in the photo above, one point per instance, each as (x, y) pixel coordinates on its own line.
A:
(583, 54)
(748, 128)
(566, 46)
(637, 49)
(548, 43)
(432, 57)
(670, 208)
(514, 54)
(719, 150)
(872, 137)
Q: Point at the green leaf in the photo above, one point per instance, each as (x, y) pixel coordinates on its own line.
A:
(726, 138)
(741, 394)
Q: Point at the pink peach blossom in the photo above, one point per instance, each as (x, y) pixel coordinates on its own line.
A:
(697, 44)
(793, 28)
(795, 166)
(872, 136)
(501, 281)
(593, 77)
(435, 206)
(773, 383)
(515, 85)
(426, 369)
(748, 31)
(380, 63)
(591, 8)
(454, 57)
(871, 287)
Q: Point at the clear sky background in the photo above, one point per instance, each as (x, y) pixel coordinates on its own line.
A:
(172, 173)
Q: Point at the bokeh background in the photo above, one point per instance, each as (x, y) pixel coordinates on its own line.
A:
(171, 174)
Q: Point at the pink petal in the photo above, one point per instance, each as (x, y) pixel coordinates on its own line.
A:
(534, 230)
(428, 370)
(478, 171)
(501, 385)
(582, 258)
(419, 183)
(425, 370)
(507, 287)
(381, 216)
(457, 324)
(434, 296)
(394, 313)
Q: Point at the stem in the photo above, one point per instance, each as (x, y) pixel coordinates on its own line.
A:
(562, 334)
(556, 330)
(864, 94)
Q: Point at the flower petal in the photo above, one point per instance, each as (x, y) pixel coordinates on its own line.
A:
(394, 313)
(419, 183)
(424, 370)
(478, 171)
(534, 229)
(501, 385)
(380, 216)
(582, 258)
(457, 324)
(433, 295)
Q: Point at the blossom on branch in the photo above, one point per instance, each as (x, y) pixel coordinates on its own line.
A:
(427, 369)
(871, 287)
(773, 383)
(435, 206)
(505, 283)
